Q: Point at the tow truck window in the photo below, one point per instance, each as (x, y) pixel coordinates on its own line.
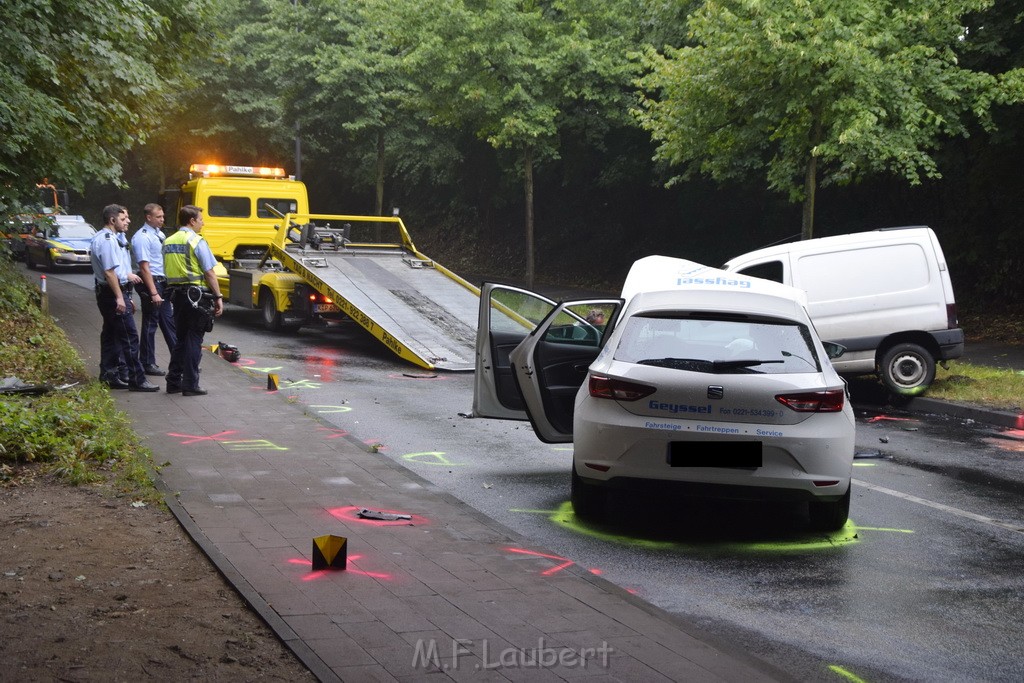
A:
(282, 205)
(230, 207)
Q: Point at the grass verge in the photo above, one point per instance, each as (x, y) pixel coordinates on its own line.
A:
(979, 384)
(72, 430)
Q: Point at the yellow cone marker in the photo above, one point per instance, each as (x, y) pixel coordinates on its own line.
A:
(271, 382)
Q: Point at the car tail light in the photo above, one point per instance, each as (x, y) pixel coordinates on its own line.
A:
(951, 317)
(617, 389)
(830, 401)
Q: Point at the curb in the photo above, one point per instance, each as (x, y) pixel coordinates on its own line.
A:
(999, 418)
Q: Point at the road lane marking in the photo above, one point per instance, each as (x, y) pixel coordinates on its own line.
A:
(945, 508)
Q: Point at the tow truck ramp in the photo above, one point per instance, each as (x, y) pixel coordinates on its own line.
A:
(420, 310)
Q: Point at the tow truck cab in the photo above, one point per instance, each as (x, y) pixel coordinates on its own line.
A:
(239, 223)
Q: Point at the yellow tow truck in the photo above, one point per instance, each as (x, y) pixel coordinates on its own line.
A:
(299, 268)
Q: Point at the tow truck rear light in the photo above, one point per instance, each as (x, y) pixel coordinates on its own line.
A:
(316, 296)
(208, 170)
(617, 389)
(830, 401)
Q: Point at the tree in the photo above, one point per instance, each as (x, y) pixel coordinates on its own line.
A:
(79, 81)
(809, 90)
(516, 73)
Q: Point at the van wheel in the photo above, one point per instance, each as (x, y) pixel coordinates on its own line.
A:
(907, 370)
(588, 501)
(271, 316)
(830, 516)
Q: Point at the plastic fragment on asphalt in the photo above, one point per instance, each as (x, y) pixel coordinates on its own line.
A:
(383, 516)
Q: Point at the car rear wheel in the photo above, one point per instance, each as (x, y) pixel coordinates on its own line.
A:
(588, 501)
(830, 516)
(907, 369)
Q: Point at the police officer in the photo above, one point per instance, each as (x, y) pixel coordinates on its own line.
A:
(114, 281)
(147, 246)
(195, 294)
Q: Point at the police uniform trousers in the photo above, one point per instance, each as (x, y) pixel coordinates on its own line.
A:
(119, 338)
(161, 316)
(189, 328)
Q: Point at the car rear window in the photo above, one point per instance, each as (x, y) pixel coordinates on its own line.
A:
(718, 344)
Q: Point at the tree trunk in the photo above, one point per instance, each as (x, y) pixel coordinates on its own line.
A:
(379, 179)
(528, 189)
(810, 184)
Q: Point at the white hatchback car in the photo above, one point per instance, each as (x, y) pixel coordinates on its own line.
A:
(709, 382)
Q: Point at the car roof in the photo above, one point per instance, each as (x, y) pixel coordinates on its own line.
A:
(686, 281)
(747, 303)
(65, 220)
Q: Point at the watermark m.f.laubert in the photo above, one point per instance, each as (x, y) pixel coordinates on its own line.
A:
(431, 654)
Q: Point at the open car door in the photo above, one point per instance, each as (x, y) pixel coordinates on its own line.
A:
(507, 315)
(532, 356)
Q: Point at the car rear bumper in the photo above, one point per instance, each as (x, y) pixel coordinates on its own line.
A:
(812, 460)
(688, 489)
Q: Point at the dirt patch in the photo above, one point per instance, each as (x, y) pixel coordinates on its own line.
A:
(92, 588)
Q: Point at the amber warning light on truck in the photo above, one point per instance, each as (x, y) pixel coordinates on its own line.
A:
(208, 170)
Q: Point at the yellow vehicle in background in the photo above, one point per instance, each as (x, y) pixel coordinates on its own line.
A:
(300, 268)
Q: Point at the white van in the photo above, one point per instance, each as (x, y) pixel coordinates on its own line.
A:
(885, 295)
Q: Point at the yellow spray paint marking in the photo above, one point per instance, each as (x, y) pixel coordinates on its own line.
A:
(254, 445)
(331, 409)
(264, 370)
(879, 528)
(840, 671)
(864, 464)
(566, 518)
(303, 384)
(430, 458)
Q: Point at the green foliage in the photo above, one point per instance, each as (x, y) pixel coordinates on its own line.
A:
(77, 431)
(79, 80)
(856, 87)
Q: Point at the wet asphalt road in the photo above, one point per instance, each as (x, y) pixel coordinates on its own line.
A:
(925, 583)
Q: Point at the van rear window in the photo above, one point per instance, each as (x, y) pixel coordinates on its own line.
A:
(230, 207)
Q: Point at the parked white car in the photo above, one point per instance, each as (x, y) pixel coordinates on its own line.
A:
(712, 383)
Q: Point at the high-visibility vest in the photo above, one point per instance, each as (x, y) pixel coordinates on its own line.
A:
(180, 264)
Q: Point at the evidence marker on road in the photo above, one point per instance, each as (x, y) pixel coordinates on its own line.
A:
(330, 552)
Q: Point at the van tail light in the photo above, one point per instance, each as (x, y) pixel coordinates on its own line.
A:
(951, 318)
(617, 389)
(830, 401)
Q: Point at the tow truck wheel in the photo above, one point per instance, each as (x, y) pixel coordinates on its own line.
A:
(271, 316)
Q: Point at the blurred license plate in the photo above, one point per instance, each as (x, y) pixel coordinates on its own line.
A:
(745, 454)
(325, 308)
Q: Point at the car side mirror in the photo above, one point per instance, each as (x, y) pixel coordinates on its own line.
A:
(833, 350)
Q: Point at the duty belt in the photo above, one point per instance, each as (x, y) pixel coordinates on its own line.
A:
(125, 287)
